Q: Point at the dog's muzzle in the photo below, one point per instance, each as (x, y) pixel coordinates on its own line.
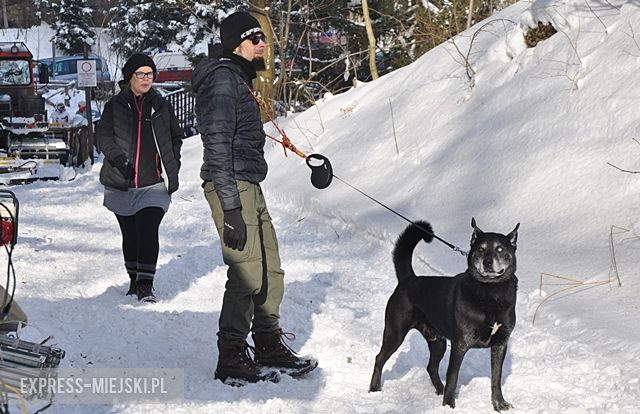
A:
(487, 270)
(491, 274)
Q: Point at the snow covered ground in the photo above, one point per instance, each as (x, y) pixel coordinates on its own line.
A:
(528, 142)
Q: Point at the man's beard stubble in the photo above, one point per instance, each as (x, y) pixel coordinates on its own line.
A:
(259, 64)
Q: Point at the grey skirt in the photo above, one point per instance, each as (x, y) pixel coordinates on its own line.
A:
(128, 203)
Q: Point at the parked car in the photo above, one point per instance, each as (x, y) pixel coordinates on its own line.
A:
(65, 68)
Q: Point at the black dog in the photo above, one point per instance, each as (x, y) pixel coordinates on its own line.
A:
(475, 309)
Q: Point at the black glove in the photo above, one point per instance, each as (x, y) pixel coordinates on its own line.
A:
(123, 165)
(234, 234)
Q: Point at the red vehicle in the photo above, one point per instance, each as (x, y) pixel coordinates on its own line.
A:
(172, 67)
(17, 84)
(28, 145)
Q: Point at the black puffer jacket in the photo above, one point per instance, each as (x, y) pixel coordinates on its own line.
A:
(117, 134)
(229, 123)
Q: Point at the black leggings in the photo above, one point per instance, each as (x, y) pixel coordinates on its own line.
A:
(140, 244)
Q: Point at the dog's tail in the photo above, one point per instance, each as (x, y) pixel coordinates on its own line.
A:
(406, 244)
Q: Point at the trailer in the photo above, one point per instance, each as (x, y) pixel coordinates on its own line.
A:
(31, 148)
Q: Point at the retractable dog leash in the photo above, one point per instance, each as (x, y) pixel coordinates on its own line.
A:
(322, 172)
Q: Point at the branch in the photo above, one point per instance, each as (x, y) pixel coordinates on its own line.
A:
(596, 14)
(467, 64)
(393, 125)
(573, 46)
(465, 56)
(623, 170)
(632, 35)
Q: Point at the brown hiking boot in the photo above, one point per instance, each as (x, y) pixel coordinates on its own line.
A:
(236, 367)
(272, 351)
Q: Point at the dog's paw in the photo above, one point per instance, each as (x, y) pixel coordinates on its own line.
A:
(501, 405)
(450, 401)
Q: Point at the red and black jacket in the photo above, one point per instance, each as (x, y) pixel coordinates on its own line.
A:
(144, 129)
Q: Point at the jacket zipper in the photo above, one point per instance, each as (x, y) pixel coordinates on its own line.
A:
(139, 108)
(155, 141)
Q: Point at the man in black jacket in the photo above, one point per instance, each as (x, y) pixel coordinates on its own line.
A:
(228, 118)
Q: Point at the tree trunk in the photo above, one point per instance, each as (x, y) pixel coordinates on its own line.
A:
(281, 84)
(372, 40)
(4, 14)
(264, 82)
(470, 15)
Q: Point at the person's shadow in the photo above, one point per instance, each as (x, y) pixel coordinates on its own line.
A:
(112, 330)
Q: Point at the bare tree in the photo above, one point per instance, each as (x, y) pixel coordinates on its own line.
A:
(372, 40)
(285, 23)
(470, 15)
(4, 14)
(266, 78)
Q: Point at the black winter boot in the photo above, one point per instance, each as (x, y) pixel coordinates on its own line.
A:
(144, 290)
(236, 367)
(133, 289)
(273, 352)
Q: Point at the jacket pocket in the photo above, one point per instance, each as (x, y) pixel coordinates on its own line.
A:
(243, 186)
(111, 177)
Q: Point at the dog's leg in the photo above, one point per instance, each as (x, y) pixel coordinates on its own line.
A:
(398, 321)
(391, 341)
(458, 352)
(437, 348)
(498, 353)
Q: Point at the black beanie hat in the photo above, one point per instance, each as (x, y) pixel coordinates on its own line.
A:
(137, 60)
(236, 28)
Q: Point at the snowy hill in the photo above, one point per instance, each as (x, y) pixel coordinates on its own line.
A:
(527, 140)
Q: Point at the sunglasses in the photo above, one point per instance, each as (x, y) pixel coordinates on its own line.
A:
(142, 75)
(256, 38)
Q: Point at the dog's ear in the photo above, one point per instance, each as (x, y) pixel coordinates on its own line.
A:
(513, 236)
(476, 230)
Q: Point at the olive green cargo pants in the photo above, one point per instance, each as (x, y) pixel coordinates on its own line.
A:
(255, 280)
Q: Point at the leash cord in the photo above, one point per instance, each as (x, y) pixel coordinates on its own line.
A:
(450, 245)
(287, 144)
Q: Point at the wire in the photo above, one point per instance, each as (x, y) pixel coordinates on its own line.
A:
(23, 403)
(21, 167)
(28, 162)
(11, 274)
(10, 269)
(44, 408)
